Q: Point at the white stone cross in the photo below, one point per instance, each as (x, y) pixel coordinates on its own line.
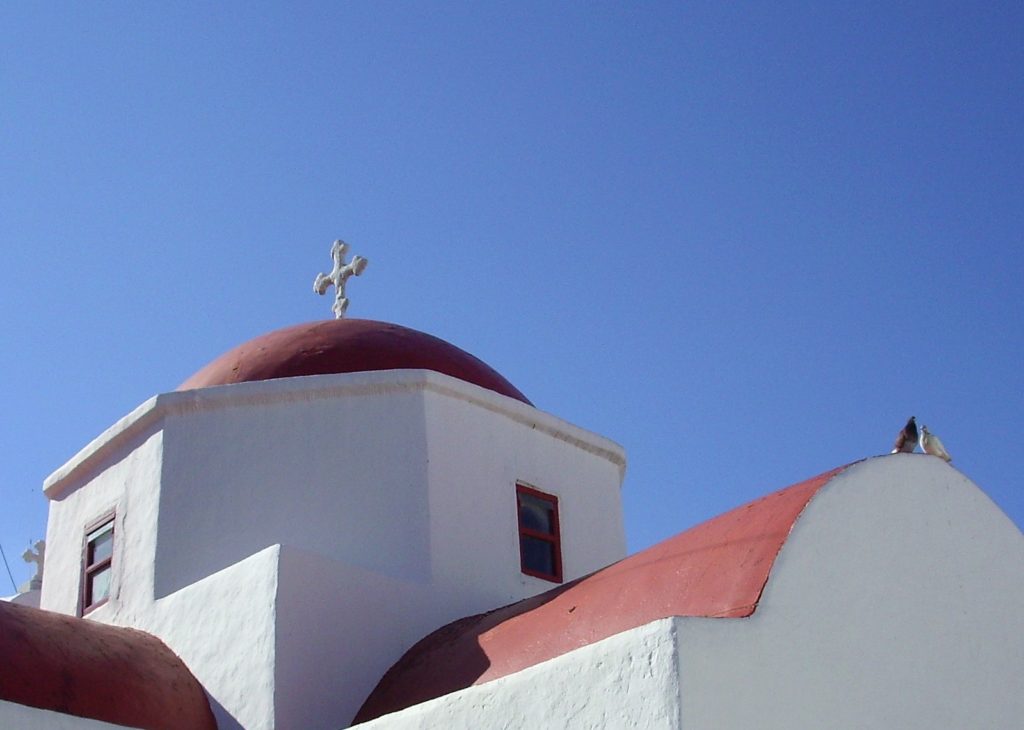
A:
(36, 557)
(338, 276)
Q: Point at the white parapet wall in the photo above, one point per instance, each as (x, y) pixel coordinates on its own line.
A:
(626, 681)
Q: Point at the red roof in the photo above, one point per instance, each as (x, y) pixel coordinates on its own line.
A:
(346, 346)
(717, 569)
(85, 668)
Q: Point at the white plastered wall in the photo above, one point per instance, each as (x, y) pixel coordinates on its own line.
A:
(225, 628)
(124, 480)
(339, 628)
(340, 472)
(477, 454)
(896, 602)
(626, 681)
(290, 539)
(21, 717)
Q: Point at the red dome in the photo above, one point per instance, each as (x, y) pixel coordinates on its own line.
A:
(346, 346)
(89, 669)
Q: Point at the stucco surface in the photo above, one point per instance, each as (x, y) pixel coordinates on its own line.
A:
(474, 527)
(20, 717)
(28, 598)
(626, 681)
(897, 602)
(122, 480)
(225, 628)
(337, 628)
(344, 477)
(291, 538)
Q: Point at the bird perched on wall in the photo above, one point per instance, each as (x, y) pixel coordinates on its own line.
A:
(931, 445)
(906, 440)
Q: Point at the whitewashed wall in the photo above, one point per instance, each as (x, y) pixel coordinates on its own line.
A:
(21, 717)
(476, 457)
(225, 628)
(290, 539)
(28, 598)
(339, 628)
(896, 602)
(626, 681)
(340, 473)
(120, 475)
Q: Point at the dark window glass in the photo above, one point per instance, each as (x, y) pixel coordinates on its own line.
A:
(535, 513)
(540, 549)
(539, 555)
(99, 553)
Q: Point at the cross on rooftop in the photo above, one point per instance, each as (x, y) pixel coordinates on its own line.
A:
(36, 554)
(338, 276)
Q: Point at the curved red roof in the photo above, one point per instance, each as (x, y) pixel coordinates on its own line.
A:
(85, 668)
(717, 569)
(346, 346)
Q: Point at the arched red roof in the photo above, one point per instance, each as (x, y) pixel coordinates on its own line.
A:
(346, 346)
(717, 569)
(85, 668)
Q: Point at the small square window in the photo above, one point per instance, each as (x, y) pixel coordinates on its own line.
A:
(540, 547)
(96, 562)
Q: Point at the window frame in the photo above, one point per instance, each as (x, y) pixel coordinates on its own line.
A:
(554, 538)
(91, 570)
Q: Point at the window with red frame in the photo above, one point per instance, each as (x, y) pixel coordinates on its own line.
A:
(99, 552)
(540, 546)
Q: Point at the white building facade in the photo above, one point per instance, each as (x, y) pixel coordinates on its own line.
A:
(311, 529)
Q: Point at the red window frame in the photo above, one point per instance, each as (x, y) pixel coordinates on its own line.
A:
(91, 569)
(553, 538)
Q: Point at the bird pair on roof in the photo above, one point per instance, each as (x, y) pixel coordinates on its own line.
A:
(908, 438)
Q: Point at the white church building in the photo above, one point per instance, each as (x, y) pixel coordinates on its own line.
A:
(351, 522)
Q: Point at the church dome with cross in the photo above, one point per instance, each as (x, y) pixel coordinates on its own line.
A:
(346, 346)
(343, 345)
(405, 541)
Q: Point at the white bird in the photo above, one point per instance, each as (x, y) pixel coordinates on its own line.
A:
(906, 440)
(931, 445)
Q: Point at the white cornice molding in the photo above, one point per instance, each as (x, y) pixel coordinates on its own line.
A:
(147, 417)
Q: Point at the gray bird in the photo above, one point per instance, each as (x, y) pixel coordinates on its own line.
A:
(906, 441)
(930, 444)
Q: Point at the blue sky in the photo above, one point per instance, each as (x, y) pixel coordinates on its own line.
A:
(745, 242)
